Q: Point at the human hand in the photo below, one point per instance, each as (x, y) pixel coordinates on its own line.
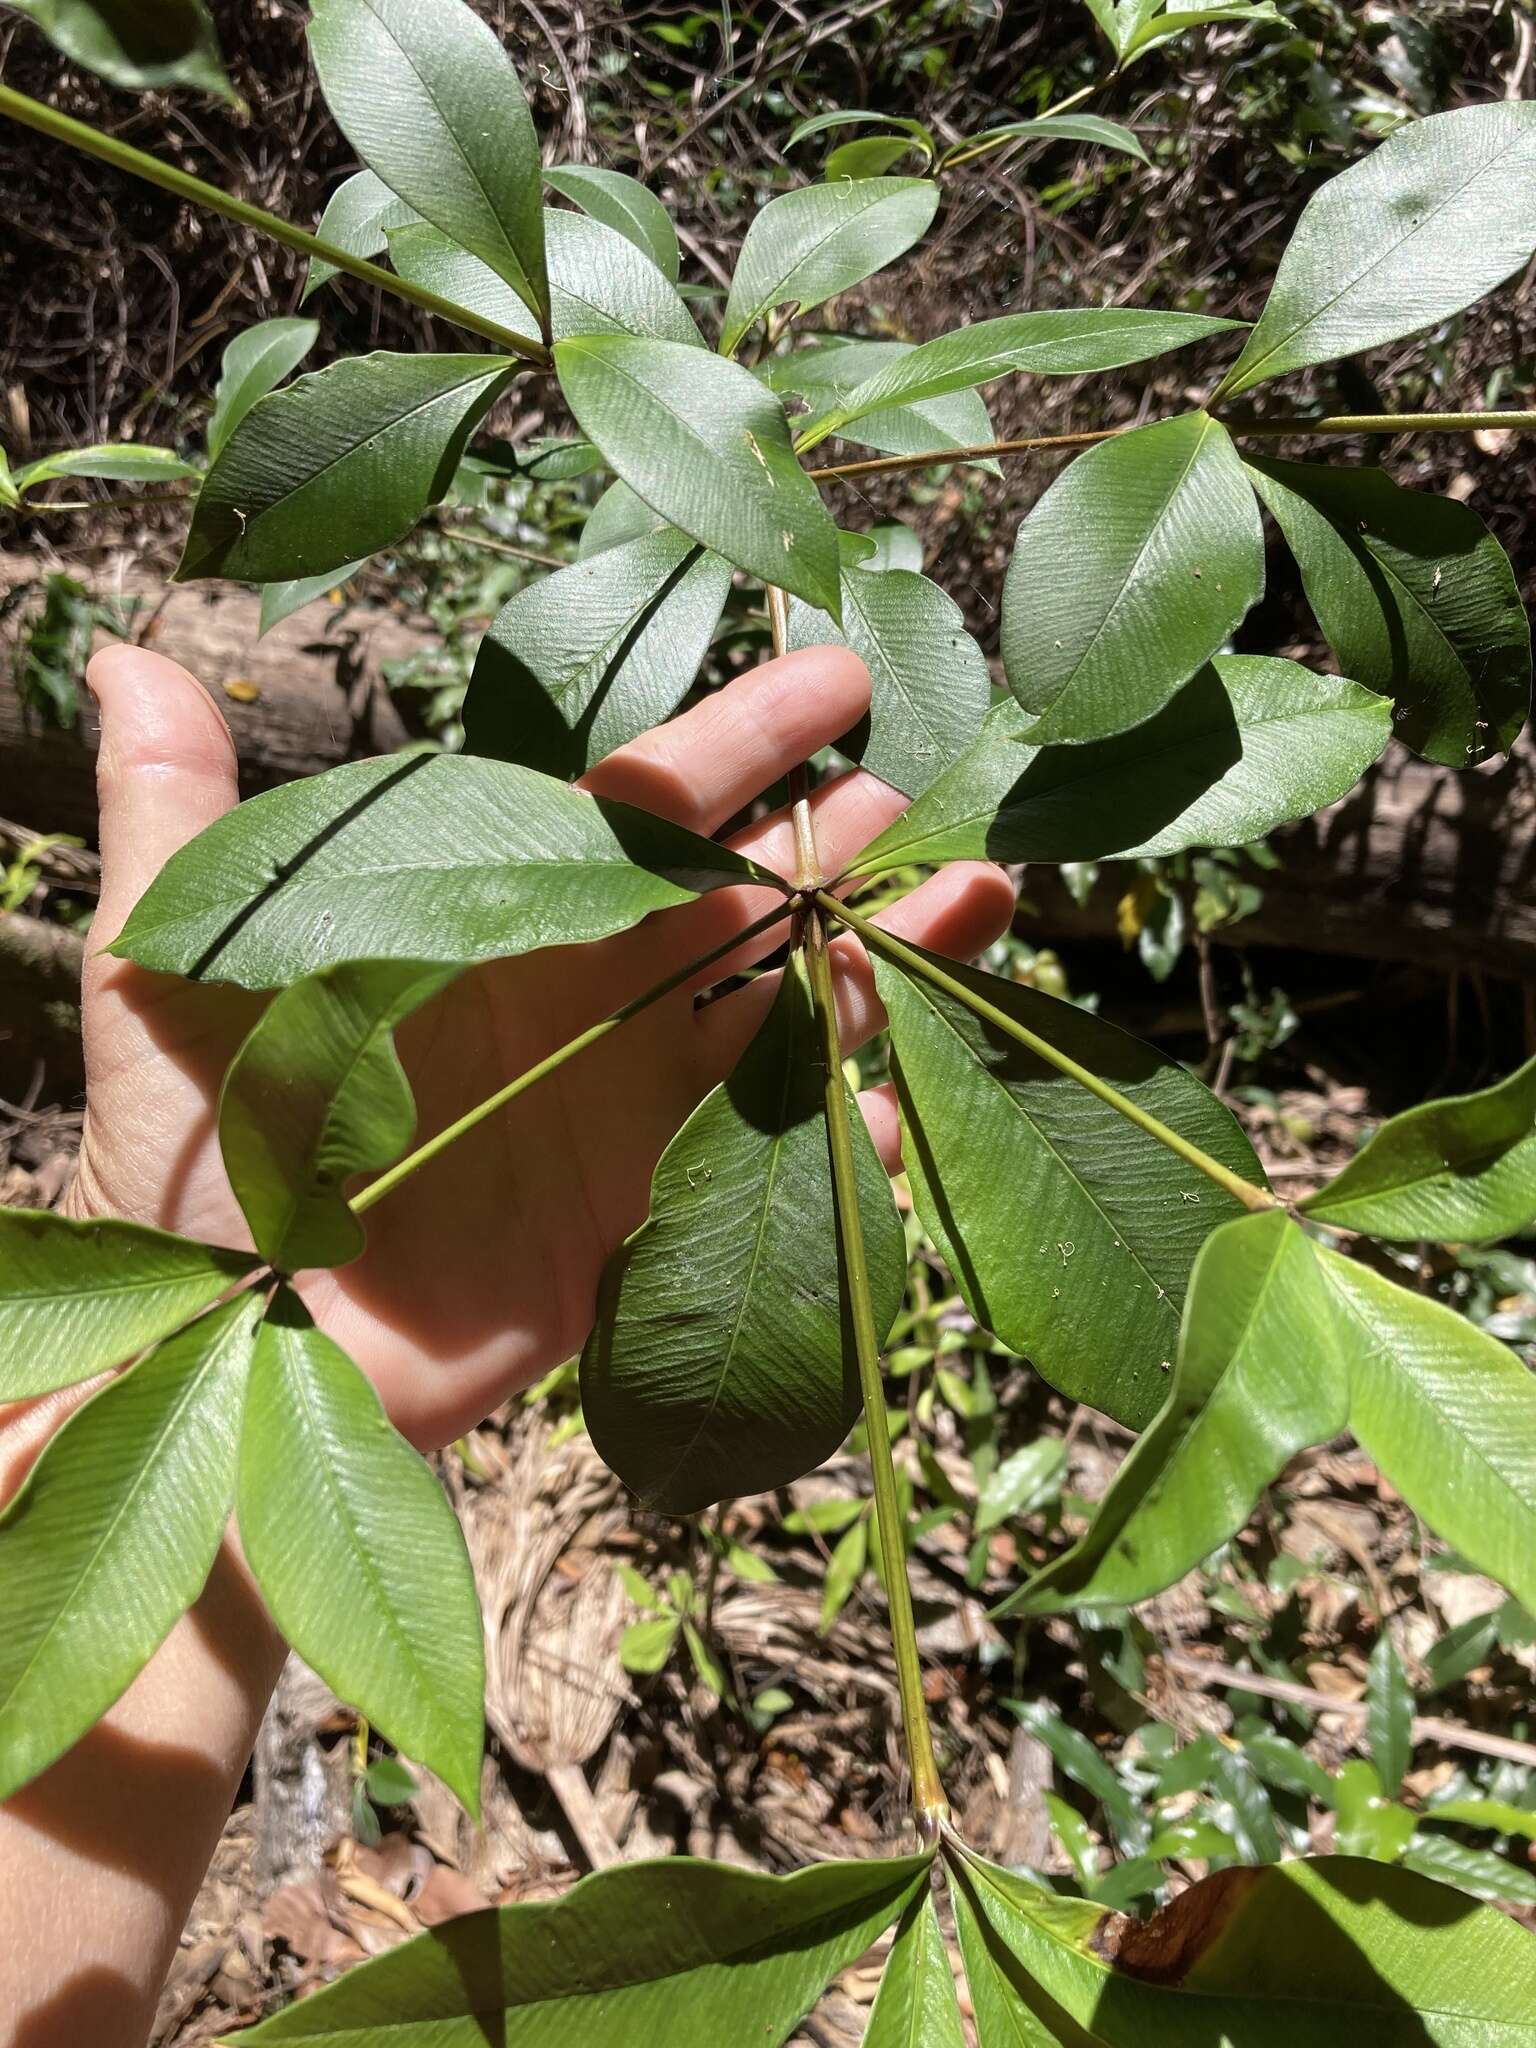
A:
(485, 1273)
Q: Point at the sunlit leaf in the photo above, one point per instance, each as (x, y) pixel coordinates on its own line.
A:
(255, 363)
(1089, 128)
(956, 419)
(916, 2006)
(721, 1361)
(280, 601)
(1026, 1479)
(357, 219)
(1389, 1715)
(124, 462)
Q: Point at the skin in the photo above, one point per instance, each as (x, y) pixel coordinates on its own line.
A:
(479, 1279)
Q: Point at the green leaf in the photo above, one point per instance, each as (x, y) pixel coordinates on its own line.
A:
(255, 363)
(674, 1954)
(1327, 1950)
(599, 282)
(1090, 128)
(1389, 1715)
(1082, 1762)
(1449, 1416)
(358, 217)
(1216, 14)
(1423, 226)
(1279, 1762)
(702, 442)
(1497, 1815)
(314, 1095)
(1247, 744)
(916, 2006)
(430, 857)
(1027, 1479)
(1417, 598)
(9, 495)
(590, 657)
(1090, 1289)
(125, 462)
(1477, 1871)
(113, 1534)
(357, 1552)
(144, 45)
(957, 419)
(929, 685)
(806, 246)
(849, 117)
(646, 1646)
(871, 156)
(1369, 1823)
(79, 1296)
(339, 463)
(624, 204)
(390, 1783)
(1259, 1377)
(1002, 2018)
(1458, 1169)
(845, 1568)
(430, 101)
(617, 516)
(280, 601)
(896, 547)
(721, 1361)
(1128, 575)
(1053, 344)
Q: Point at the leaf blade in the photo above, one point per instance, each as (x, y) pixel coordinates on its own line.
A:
(624, 204)
(254, 363)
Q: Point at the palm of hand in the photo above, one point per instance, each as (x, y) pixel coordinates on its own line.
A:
(485, 1274)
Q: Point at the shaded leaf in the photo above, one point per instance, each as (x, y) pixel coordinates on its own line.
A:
(1127, 577)
(617, 516)
(721, 1361)
(845, 1568)
(702, 442)
(1179, 20)
(646, 1646)
(314, 1095)
(957, 419)
(341, 462)
(78, 1296)
(125, 462)
(1368, 1822)
(590, 657)
(1462, 1168)
(871, 156)
(357, 1552)
(1090, 128)
(431, 102)
(280, 601)
(929, 685)
(1477, 1871)
(916, 2006)
(1247, 744)
(808, 245)
(849, 117)
(621, 203)
(145, 45)
(111, 1537)
(1426, 224)
(1071, 1232)
(429, 857)
(254, 364)
(1418, 601)
(358, 217)
(675, 1954)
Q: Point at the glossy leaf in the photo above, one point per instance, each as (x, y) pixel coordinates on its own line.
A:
(624, 204)
(339, 463)
(280, 601)
(358, 217)
(599, 282)
(430, 857)
(590, 657)
(430, 101)
(255, 363)
(674, 1954)
(1127, 577)
(79, 1296)
(1342, 1949)
(805, 246)
(1070, 1232)
(1177, 21)
(1477, 1871)
(315, 1095)
(1089, 128)
(113, 1534)
(957, 419)
(1497, 1815)
(1259, 1376)
(870, 156)
(1425, 225)
(1052, 344)
(1024, 1481)
(858, 117)
(929, 685)
(1459, 1169)
(144, 45)
(357, 1552)
(721, 1361)
(123, 462)
(916, 2006)
(1246, 745)
(1389, 1715)
(702, 442)
(1417, 598)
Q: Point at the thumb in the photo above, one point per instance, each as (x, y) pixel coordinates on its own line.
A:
(165, 770)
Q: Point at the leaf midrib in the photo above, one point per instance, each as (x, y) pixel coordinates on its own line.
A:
(776, 286)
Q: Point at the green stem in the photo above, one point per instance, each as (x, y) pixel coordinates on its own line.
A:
(122, 157)
(1332, 423)
(808, 873)
(386, 1183)
(929, 1806)
(1255, 1198)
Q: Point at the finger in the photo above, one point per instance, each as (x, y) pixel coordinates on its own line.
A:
(958, 911)
(700, 769)
(166, 769)
(878, 1108)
